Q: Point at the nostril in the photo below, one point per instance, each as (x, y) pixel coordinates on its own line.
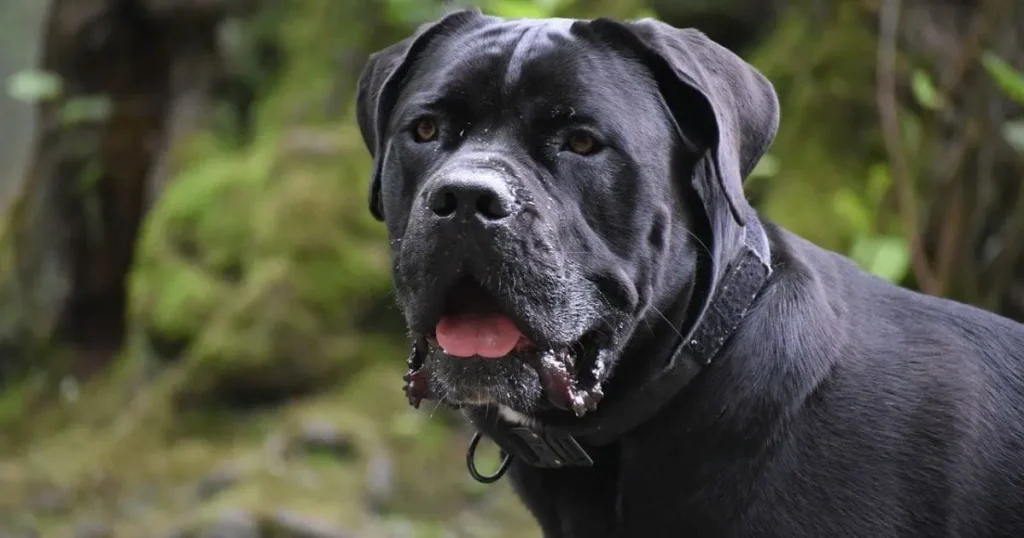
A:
(492, 207)
(481, 197)
(444, 203)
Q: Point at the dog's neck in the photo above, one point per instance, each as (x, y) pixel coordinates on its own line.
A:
(557, 444)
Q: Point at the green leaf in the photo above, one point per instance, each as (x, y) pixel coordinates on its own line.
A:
(1006, 77)
(851, 209)
(90, 176)
(1013, 132)
(925, 91)
(410, 12)
(34, 86)
(886, 256)
(523, 9)
(910, 130)
(85, 108)
(879, 182)
(768, 166)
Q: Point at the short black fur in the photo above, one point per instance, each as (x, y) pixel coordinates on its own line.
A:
(842, 406)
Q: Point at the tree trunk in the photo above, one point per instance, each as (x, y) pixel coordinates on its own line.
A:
(136, 75)
(969, 173)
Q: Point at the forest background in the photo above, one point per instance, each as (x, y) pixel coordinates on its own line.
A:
(197, 335)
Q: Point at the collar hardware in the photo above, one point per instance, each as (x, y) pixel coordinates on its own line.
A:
(550, 449)
(506, 460)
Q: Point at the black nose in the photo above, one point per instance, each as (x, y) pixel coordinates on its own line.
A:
(483, 195)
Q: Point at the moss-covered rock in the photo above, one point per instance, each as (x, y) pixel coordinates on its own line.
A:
(256, 263)
(260, 258)
(254, 267)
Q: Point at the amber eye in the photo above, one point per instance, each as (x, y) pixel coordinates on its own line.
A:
(425, 130)
(582, 143)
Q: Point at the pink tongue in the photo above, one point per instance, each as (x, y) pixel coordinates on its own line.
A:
(491, 336)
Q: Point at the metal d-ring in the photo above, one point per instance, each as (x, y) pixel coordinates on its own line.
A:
(506, 460)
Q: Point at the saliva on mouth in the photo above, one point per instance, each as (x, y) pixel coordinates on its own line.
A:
(565, 386)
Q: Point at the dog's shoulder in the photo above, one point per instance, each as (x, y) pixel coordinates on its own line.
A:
(824, 328)
(834, 367)
(889, 352)
(811, 281)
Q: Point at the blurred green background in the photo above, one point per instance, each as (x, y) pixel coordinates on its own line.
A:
(197, 336)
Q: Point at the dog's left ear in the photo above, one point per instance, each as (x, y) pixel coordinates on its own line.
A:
(379, 86)
(732, 106)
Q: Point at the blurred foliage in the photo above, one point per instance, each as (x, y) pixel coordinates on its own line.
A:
(1011, 82)
(34, 85)
(1009, 79)
(261, 373)
(829, 187)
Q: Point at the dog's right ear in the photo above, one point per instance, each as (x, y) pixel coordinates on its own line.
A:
(730, 104)
(380, 84)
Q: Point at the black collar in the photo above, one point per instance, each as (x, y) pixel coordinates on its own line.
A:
(560, 446)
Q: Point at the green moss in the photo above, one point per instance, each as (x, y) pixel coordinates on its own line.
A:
(258, 261)
(259, 264)
(138, 467)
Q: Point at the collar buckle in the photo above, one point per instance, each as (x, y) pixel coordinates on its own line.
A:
(547, 448)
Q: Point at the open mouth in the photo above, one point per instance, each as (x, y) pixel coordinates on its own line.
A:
(474, 327)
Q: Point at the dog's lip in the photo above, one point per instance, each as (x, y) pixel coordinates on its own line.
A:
(562, 371)
(567, 367)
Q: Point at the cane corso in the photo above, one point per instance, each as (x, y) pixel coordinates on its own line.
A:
(582, 275)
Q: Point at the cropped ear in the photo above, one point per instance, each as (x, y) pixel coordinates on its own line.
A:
(380, 84)
(732, 106)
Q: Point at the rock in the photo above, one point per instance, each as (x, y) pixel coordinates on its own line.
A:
(217, 481)
(325, 437)
(275, 451)
(50, 501)
(233, 524)
(380, 482)
(93, 529)
(399, 528)
(248, 264)
(137, 503)
(289, 525)
(19, 533)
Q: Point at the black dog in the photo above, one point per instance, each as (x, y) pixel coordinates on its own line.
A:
(580, 271)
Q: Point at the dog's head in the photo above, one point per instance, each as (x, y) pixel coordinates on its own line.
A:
(555, 192)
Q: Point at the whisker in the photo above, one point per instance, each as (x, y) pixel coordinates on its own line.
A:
(437, 405)
(670, 324)
(699, 242)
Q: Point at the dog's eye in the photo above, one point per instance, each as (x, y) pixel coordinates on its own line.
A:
(582, 143)
(425, 130)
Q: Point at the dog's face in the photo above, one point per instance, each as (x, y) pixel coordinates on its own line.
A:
(537, 195)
